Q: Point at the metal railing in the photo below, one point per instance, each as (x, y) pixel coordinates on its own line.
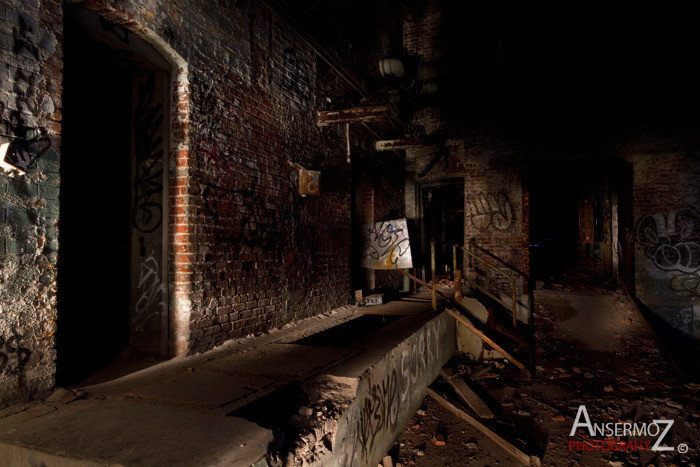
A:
(514, 306)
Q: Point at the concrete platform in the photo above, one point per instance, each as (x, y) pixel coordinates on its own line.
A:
(334, 390)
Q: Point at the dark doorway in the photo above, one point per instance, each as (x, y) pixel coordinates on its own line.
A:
(443, 221)
(97, 268)
(576, 219)
(93, 278)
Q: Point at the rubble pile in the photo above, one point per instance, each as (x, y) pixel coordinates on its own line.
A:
(612, 368)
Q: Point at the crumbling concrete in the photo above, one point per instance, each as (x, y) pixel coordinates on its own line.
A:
(358, 410)
(279, 398)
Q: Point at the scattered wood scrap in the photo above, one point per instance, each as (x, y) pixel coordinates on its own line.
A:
(468, 324)
(521, 457)
(479, 373)
(467, 395)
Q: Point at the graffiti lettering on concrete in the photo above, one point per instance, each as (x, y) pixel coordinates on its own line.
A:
(672, 242)
(295, 75)
(379, 409)
(379, 412)
(385, 245)
(148, 180)
(490, 211)
(13, 357)
(151, 302)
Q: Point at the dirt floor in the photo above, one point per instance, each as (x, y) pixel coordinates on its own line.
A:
(593, 350)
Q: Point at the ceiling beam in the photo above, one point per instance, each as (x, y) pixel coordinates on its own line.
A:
(395, 144)
(355, 115)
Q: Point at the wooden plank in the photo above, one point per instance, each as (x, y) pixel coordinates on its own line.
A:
(356, 115)
(520, 456)
(396, 144)
(478, 374)
(425, 284)
(468, 324)
(468, 395)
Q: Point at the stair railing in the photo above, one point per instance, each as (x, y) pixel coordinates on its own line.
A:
(514, 306)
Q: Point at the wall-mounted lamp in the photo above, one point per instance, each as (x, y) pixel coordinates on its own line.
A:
(13, 158)
(391, 67)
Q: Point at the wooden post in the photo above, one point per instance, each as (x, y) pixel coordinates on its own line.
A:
(454, 262)
(458, 285)
(432, 268)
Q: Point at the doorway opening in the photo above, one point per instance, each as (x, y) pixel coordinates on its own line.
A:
(442, 209)
(112, 293)
(578, 213)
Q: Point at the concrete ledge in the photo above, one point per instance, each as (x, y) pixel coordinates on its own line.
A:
(339, 397)
(360, 407)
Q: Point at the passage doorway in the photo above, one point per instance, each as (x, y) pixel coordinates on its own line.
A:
(442, 206)
(578, 212)
(112, 272)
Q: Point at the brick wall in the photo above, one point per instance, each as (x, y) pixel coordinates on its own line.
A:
(247, 253)
(666, 232)
(30, 103)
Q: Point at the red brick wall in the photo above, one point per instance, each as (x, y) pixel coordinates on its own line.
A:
(247, 253)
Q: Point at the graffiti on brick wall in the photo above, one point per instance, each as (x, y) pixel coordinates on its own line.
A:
(13, 357)
(295, 76)
(380, 408)
(147, 212)
(151, 292)
(385, 245)
(30, 141)
(687, 284)
(490, 211)
(672, 242)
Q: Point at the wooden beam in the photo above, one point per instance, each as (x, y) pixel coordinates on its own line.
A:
(425, 284)
(356, 115)
(468, 324)
(395, 144)
(467, 395)
(520, 456)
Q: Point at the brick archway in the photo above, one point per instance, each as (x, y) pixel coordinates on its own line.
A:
(179, 236)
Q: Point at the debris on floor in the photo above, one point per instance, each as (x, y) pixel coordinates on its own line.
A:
(594, 351)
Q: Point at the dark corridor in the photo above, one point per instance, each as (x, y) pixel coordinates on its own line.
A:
(577, 210)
